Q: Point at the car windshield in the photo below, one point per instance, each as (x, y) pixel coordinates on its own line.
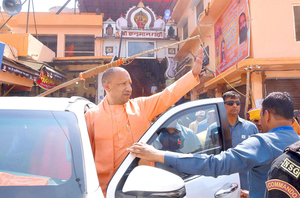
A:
(39, 148)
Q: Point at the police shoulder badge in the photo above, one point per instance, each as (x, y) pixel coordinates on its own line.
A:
(291, 167)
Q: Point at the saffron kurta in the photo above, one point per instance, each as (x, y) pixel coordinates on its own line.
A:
(114, 128)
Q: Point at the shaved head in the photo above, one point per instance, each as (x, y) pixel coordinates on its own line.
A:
(117, 84)
(109, 74)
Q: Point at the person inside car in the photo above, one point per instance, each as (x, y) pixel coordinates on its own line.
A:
(205, 128)
(211, 118)
(177, 138)
(200, 115)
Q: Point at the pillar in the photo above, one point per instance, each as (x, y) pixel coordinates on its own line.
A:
(61, 40)
(211, 93)
(221, 88)
(98, 47)
(257, 85)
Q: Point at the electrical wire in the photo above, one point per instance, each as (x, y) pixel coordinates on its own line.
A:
(37, 36)
(12, 51)
(2, 14)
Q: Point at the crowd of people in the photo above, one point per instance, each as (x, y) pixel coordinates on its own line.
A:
(118, 122)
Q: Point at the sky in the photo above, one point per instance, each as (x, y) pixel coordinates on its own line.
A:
(44, 5)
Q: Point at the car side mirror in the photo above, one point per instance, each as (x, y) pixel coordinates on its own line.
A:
(148, 181)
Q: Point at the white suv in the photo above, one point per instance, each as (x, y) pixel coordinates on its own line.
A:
(45, 152)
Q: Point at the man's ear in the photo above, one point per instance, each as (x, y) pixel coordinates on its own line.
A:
(267, 116)
(106, 87)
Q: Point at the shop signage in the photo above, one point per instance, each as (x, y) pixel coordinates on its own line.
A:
(141, 34)
(49, 79)
(17, 72)
(232, 35)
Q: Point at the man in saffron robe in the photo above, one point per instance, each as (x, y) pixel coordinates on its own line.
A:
(118, 121)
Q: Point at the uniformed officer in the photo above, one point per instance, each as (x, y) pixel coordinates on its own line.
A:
(283, 177)
(240, 128)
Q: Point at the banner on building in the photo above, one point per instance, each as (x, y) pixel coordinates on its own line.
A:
(232, 35)
(18, 72)
(49, 78)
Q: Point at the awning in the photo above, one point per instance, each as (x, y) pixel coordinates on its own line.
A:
(16, 73)
(265, 64)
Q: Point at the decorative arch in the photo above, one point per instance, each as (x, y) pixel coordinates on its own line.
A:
(145, 11)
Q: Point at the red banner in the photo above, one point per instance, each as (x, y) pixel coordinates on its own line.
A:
(46, 82)
(232, 35)
(49, 79)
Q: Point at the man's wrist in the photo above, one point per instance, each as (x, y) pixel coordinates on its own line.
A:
(194, 74)
(161, 156)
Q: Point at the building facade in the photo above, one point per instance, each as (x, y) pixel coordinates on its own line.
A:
(69, 40)
(82, 41)
(252, 47)
(141, 30)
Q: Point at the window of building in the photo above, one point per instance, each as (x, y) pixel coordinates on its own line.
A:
(50, 41)
(185, 33)
(136, 47)
(79, 46)
(297, 22)
(199, 10)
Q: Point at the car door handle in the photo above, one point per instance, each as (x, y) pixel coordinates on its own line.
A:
(223, 192)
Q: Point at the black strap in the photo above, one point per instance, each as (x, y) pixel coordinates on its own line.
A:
(295, 148)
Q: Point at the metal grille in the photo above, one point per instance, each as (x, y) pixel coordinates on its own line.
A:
(79, 46)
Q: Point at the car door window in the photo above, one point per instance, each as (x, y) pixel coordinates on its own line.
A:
(178, 130)
(188, 132)
(37, 143)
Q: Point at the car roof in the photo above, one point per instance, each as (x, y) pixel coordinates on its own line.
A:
(36, 103)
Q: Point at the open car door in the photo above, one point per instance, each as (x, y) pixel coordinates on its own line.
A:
(211, 137)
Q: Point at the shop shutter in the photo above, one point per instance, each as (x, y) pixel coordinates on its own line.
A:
(292, 86)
